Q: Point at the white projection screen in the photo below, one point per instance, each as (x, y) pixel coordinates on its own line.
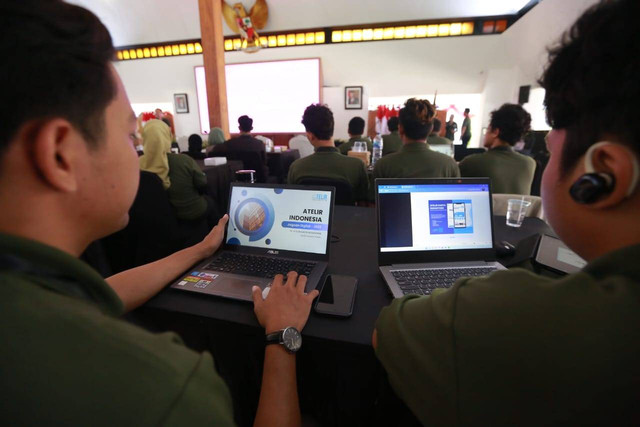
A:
(274, 94)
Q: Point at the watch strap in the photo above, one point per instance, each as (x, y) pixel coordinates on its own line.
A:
(274, 337)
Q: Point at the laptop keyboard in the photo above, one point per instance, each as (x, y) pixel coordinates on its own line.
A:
(423, 282)
(258, 266)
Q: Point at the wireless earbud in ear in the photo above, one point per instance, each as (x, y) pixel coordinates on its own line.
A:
(593, 185)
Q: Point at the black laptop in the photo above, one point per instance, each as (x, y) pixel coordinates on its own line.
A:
(272, 229)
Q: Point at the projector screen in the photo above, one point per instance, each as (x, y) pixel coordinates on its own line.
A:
(274, 94)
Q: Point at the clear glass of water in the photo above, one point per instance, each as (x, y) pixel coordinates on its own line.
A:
(359, 147)
(516, 211)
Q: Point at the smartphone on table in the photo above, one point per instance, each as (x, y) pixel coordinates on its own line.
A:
(337, 296)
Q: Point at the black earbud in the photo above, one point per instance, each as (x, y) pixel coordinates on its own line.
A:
(591, 186)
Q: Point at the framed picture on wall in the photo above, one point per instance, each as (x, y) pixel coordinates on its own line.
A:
(353, 98)
(181, 103)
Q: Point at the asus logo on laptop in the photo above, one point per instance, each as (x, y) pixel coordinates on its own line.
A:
(272, 252)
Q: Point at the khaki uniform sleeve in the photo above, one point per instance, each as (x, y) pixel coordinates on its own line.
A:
(362, 192)
(199, 177)
(454, 170)
(205, 399)
(291, 175)
(415, 339)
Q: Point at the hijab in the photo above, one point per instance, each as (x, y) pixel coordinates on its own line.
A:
(156, 137)
(216, 137)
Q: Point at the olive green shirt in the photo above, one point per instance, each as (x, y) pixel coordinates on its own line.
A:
(434, 139)
(510, 172)
(416, 160)
(186, 180)
(327, 162)
(345, 147)
(391, 143)
(515, 348)
(66, 359)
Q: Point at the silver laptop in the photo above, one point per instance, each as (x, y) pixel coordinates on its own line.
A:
(272, 229)
(433, 231)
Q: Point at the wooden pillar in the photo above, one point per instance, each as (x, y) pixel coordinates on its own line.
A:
(213, 53)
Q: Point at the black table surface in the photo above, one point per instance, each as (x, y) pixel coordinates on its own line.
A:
(354, 253)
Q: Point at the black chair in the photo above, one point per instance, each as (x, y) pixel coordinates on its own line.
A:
(252, 160)
(344, 192)
(153, 231)
(461, 152)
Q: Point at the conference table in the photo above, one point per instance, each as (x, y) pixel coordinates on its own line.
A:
(339, 377)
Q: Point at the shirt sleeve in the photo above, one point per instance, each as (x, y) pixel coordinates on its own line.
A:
(199, 178)
(205, 399)
(363, 185)
(415, 338)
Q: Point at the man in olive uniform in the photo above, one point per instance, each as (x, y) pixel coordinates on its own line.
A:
(391, 142)
(415, 159)
(437, 142)
(465, 132)
(327, 162)
(66, 151)
(356, 129)
(516, 348)
(450, 129)
(510, 172)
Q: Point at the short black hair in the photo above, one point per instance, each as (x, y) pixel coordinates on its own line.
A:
(591, 81)
(513, 122)
(55, 63)
(195, 143)
(392, 123)
(245, 123)
(318, 120)
(437, 124)
(416, 118)
(467, 111)
(356, 126)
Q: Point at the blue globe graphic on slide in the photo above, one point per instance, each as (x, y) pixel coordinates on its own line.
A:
(254, 217)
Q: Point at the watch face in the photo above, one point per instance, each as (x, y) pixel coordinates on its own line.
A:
(291, 339)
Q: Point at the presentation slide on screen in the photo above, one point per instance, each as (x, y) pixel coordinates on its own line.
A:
(273, 93)
(447, 217)
(273, 218)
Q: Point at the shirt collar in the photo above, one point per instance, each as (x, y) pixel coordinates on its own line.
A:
(53, 269)
(415, 146)
(327, 150)
(503, 148)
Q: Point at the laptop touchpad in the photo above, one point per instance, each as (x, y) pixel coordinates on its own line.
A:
(238, 287)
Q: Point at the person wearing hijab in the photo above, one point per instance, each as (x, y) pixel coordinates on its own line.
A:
(195, 147)
(156, 140)
(215, 142)
(183, 179)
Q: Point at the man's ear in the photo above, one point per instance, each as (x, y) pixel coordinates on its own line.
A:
(618, 161)
(56, 147)
(311, 137)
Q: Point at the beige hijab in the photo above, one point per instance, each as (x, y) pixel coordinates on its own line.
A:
(156, 137)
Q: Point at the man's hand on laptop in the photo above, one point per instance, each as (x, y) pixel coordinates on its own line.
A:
(212, 242)
(286, 304)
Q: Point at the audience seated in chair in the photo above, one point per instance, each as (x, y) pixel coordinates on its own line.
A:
(392, 141)
(356, 129)
(415, 159)
(327, 162)
(246, 143)
(195, 147)
(516, 348)
(69, 174)
(510, 172)
(181, 176)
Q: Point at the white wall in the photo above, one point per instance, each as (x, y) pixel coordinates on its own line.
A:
(494, 66)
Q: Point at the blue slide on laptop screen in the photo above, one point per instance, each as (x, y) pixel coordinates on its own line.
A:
(441, 217)
(280, 219)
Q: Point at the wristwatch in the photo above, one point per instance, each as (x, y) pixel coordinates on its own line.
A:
(289, 337)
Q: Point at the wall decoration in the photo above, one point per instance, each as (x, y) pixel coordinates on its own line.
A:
(353, 98)
(181, 103)
(245, 24)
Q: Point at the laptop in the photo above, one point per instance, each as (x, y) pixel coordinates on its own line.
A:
(272, 229)
(433, 231)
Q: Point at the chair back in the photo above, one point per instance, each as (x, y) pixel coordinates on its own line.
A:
(344, 192)
(302, 144)
(500, 202)
(251, 160)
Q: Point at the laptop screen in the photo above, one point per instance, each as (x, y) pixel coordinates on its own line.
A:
(442, 148)
(434, 217)
(279, 218)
